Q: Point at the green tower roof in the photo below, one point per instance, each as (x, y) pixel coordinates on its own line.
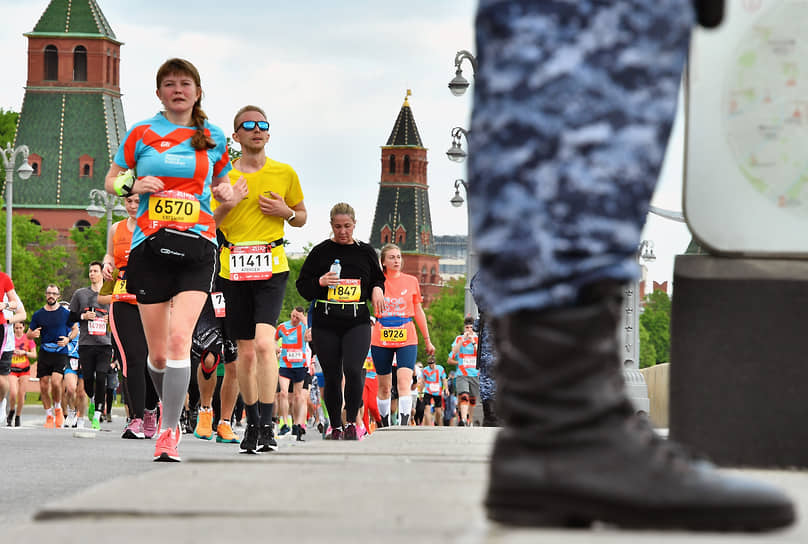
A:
(73, 17)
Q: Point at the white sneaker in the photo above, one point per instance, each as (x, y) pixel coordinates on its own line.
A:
(71, 419)
(83, 423)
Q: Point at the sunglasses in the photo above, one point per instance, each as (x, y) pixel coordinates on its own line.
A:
(263, 126)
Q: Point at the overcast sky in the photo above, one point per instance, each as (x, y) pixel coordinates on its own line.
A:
(332, 77)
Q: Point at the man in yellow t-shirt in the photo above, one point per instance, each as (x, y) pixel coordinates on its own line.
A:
(254, 269)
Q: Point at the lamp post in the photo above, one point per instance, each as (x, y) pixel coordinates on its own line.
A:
(103, 203)
(456, 152)
(631, 325)
(24, 171)
(459, 84)
(469, 307)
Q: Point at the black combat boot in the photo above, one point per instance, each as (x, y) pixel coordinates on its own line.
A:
(489, 414)
(572, 451)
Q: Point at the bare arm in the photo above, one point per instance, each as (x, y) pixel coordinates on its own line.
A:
(420, 320)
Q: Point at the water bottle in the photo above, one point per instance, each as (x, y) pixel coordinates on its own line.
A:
(337, 268)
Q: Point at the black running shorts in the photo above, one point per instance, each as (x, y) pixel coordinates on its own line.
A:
(251, 302)
(154, 278)
(5, 363)
(49, 363)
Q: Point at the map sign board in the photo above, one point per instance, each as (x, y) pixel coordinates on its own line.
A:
(746, 158)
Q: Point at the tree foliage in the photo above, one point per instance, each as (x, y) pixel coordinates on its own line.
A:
(292, 298)
(444, 317)
(37, 259)
(656, 320)
(647, 351)
(91, 243)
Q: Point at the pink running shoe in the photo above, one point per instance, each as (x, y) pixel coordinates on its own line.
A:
(166, 447)
(149, 423)
(361, 432)
(134, 429)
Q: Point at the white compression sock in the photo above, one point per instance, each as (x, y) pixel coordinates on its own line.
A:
(404, 405)
(384, 406)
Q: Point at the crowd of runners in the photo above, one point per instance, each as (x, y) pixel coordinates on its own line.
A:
(186, 302)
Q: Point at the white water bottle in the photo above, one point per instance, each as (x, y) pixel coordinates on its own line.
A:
(336, 268)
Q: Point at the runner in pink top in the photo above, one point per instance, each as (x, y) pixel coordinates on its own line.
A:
(394, 334)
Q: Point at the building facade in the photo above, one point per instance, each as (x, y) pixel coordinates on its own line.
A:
(72, 117)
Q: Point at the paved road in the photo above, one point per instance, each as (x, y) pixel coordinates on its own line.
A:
(400, 485)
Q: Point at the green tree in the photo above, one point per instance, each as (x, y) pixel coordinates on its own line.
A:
(37, 259)
(647, 351)
(444, 317)
(91, 243)
(656, 318)
(292, 298)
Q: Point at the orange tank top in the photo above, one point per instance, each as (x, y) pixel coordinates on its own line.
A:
(121, 245)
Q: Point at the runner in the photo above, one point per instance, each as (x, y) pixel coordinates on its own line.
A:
(210, 348)
(24, 354)
(464, 351)
(370, 394)
(180, 160)
(394, 334)
(436, 385)
(254, 269)
(73, 395)
(13, 312)
(53, 325)
(127, 328)
(341, 321)
(95, 345)
(293, 371)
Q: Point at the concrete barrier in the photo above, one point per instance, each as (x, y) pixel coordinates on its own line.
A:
(656, 378)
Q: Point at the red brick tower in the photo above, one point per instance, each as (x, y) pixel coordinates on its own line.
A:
(402, 208)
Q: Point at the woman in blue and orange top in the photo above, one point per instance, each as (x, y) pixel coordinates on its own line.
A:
(179, 160)
(394, 334)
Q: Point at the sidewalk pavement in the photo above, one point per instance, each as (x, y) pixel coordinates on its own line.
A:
(412, 484)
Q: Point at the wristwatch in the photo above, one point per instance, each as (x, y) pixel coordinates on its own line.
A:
(291, 217)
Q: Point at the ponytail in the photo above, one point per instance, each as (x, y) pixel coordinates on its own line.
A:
(200, 140)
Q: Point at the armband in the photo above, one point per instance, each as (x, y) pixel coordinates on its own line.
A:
(124, 183)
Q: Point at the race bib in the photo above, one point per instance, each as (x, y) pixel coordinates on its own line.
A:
(119, 292)
(249, 263)
(217, 298)
(396, 335)
(345, 291)
(97, 327)
(173, 207)
(74, 363)
(294, 356)
(433, 388)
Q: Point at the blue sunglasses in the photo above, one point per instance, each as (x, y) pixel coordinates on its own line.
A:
(263, 126)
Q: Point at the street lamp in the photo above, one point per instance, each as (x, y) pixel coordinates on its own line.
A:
(103, 203)
(469, 307)
(456, 153)
(459, 84)
(24, 171)
(631, 326)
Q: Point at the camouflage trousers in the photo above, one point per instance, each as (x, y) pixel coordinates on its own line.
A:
(573, 105)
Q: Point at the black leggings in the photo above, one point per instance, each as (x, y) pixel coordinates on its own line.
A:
(342, 352)
(127, 332)
(94, 361)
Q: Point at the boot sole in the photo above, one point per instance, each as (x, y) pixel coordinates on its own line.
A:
(569, 512)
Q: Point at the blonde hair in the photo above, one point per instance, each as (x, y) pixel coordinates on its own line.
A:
(245, 109)
(200, 140)
(343, 208)
(387, 248)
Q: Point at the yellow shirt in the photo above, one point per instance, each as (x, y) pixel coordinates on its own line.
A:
(246, 223)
